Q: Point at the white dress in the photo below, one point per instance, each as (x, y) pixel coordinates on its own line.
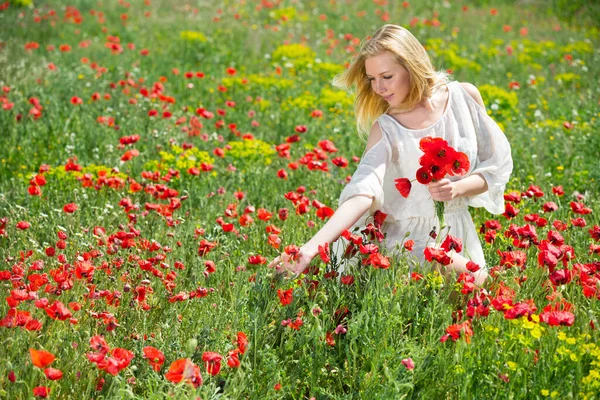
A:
(466, 127)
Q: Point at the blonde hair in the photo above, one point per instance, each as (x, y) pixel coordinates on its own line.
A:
(424, 79)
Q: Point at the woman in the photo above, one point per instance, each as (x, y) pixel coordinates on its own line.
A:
(400, 99)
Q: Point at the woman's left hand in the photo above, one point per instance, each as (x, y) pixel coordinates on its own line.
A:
(443, 190)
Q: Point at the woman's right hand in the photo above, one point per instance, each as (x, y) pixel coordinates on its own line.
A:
(286, 264)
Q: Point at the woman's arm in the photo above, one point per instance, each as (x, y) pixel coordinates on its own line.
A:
(343, 218)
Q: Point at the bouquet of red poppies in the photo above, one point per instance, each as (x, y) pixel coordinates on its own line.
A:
(439, 160)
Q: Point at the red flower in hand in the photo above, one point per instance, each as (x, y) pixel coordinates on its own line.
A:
(459, 164)
(424, 176)
(403, 185)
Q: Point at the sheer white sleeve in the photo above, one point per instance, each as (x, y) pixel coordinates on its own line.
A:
(493, 162)
(367, 180)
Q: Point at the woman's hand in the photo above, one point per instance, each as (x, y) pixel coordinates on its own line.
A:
(286, 264)
(446, 190)
(443, 190)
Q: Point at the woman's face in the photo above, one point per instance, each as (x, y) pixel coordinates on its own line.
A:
(388, 78)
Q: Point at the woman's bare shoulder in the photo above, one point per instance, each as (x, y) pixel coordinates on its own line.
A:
(473, 92)
(374, 136)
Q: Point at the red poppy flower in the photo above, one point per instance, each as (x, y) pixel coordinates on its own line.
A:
(534, 191)
(580, 222)
(513, 258)
(520, 309)
(580, 208)
(53, 374)
(409, 244)
(282, 174)
(155, 357)
(548, 259)
(456, 331)
(514, 197)
(452, 243)
(439, 255)
(121, 358)
(41, 358)
(557, 318)
(558, 190)
(34, 190)
(559, 225)
(233, 360)
(282, 214)
(510, 211)
(23, 225)
(58, 310)
(595, 232)
(429, 144)
(340, 162)
(439, 151)
(41, 392)
(436, 170)
(212, 362)
(424, 176)
(558, 314)
(324, 212)
(242, 342)
(378, 260)
(459, 164)
(329, 339)
(403, 185)
(408, 363)
(561, 276)
(296, 324)
(98, 343)
(324, 253)
(274, 241)
(340, 330)
(472, 267)
(205, 247)
(184, 370)
(285, 296)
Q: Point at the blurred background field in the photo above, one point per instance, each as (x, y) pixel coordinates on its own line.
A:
(170, 127)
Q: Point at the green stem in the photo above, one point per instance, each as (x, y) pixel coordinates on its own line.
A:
(439, 211)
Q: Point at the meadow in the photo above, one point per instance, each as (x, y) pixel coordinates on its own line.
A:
(156, 155)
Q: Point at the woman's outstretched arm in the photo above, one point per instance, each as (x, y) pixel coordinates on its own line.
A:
(344, 217)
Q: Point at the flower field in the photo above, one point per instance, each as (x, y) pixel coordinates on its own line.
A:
(155, 156)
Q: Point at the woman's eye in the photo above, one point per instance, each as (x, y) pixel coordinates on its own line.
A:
(387, 77)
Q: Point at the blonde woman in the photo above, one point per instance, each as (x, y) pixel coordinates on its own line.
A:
(401, 98)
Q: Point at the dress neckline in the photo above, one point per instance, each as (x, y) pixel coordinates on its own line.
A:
(442, 117)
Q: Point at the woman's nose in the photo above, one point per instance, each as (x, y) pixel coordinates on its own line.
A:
(380, 87)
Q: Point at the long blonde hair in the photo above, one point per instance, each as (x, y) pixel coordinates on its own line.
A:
(424, 79)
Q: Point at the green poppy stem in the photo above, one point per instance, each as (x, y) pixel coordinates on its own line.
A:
(439, 211)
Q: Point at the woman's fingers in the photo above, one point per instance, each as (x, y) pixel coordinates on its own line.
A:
(284, 264)
(274, 263)
(441, 190)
